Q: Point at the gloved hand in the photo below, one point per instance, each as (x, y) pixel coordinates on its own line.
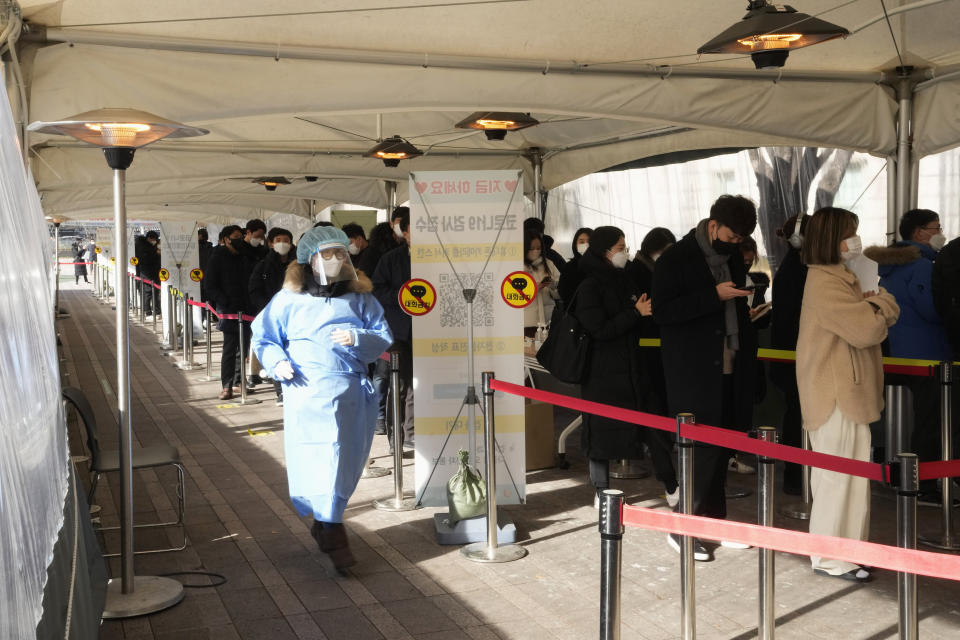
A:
(283, 370)
(343, 337)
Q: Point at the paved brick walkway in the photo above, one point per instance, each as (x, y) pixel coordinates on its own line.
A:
(240, 524)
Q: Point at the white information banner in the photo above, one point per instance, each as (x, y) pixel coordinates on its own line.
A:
(466, 232)
(179, 255)
(105, 245)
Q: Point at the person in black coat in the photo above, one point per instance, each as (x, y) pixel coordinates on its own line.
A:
(267, 278)
(146, 248)
(204, 249)
(227, 279)
(708, 344)
(570, 274)
(653, 398)
(788, 284)
(382, 241)
(391, 272)
(79, 266)
(610, 307)
(551, 254)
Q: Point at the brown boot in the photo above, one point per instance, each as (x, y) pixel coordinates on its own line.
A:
(332, 539)
(226, 394)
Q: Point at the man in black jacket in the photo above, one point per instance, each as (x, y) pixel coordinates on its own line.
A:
(204, 249)
(227, 278)
(391, 272)
(267, 279)
(708, 344)
(147, 250)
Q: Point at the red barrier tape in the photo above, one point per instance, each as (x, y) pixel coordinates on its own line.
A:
(704, 433)
(233, 316)
(941, 469)
(871, 554)
(194, 303)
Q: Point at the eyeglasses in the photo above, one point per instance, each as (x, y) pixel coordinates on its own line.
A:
(937, 228)
(327, 254)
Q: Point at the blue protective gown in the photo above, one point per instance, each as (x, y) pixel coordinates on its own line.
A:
(330, 406)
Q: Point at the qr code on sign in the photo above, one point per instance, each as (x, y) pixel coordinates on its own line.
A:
(453, 309)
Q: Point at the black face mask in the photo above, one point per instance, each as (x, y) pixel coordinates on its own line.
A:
(237, 243)
(725, 248)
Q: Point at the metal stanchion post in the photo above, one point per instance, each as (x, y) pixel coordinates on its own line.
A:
(187, 363)
(243, 364)
(688, 586)
(611, 559)
(489, 551)
(801, 510)
(946, 539)
(153, 305)
(208, 338)
(765, 475)
(907, 539)
(398, 502)
(143, 307)
(170, 321)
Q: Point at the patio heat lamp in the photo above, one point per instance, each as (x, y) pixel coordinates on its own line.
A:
(393, 150)
(770, 31)
(120, 132)
(496, 124)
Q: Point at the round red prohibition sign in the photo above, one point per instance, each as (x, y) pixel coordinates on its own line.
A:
(417, 297)
(518, 289)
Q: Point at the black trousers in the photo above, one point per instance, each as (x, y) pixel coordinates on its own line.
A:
(784, 376)
(381, 382)
(230, 365)
(710, 465)
(151, 300)
(405, 349)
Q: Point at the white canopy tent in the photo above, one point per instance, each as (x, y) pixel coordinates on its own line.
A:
(305, 93)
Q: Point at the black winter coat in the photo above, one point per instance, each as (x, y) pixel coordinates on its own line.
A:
(945, 281)
(788, 283)
(570, 279)
(204, 250)
(391, 272)
(692, 332)
(605, 308)
(267, 279)
(654, 396)
(227, 279)
(148, 259)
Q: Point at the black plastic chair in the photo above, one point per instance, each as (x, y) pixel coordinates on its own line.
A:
(106, 461)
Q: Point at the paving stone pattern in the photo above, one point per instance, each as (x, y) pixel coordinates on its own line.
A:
(279, 586)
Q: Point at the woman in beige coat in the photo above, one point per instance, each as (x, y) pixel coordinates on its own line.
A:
(840, 377)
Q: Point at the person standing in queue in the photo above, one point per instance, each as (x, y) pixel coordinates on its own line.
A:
(708, 344)
(267, 278)
(570, 274)
(537, 316)
(358, 241)
(318, 336)
(653, 396)
(147, 250)
(840, 378)
(392, 271)
(610, 308)
(204, 249)
(788, 285)
(227, 280)
(382, 241)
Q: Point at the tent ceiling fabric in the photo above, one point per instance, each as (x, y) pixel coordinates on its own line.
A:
(294, 116)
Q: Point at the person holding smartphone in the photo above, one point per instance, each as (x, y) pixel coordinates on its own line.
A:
(546, 275)
(840, 377)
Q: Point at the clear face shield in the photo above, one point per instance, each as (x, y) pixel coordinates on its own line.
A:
(331, 264)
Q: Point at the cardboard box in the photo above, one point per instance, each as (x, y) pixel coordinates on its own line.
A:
(540, 439)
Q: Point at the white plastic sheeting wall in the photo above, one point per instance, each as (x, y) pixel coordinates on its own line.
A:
(33, 451)
(677, 196)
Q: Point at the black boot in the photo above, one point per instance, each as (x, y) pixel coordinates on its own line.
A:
(332, 540)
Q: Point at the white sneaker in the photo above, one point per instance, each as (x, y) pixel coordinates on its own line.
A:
(740, 467)
(673, 499)
(728, 544)
(596, 501)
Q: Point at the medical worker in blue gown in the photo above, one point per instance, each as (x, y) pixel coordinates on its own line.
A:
(317, 336)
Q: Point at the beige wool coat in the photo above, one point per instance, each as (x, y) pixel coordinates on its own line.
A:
(838, 349)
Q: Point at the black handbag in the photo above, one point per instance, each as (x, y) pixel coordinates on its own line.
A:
(566, 351)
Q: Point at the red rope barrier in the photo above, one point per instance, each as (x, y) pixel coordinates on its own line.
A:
(871, 554)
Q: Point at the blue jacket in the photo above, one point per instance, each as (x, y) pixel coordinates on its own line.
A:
(905, 271)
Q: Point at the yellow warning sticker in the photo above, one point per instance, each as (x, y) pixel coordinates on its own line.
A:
(417, 297)
(164, 275)
(518, 289)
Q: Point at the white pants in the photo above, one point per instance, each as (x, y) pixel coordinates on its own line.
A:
(841, 502)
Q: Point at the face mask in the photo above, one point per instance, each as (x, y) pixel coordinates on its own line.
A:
(582, 247)
(937, 241)
(619, 259)
(854, 248)
(152, 242)
(256, 242)
(331, 267)
(237, 243)
(283, 248)
(353, 249)
(397, 230)
(725, 248)
(533, 256)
